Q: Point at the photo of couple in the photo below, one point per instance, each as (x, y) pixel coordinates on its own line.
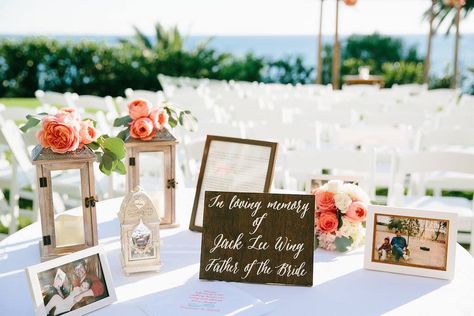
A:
(72, 285)
(410, 241)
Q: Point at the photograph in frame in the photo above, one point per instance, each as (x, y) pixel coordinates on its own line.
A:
(418, 242)
(75, 284)
(232, 164)
(318, 180)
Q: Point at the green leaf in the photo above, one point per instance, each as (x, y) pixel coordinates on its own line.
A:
(120, 167)
(93, 146)
(339, 219)
(122, 121)
(124, 135)
(343, 243)
(32, 122)
(188, 121)
(172, 122)
(104, 170)
(116, 146)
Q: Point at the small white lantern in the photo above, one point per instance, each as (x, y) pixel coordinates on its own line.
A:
(140, 233)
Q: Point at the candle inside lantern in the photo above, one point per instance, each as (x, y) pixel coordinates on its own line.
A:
(157, 198)
(69, 230)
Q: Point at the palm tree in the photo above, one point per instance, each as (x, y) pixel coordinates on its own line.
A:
(165, 39)
(446, 14)
(441, 13)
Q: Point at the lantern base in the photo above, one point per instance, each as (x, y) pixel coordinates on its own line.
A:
(137, 269)
(165, 225)
(47, 255)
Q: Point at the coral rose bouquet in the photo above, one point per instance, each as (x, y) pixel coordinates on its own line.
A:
(65, 132)
(144, 121)
(341, 210)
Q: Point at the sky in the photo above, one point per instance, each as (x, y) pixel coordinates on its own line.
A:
(212, 17)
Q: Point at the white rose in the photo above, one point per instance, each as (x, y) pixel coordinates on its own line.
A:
(343, 201)
(347, 229)
(334, 186)
(356, 193)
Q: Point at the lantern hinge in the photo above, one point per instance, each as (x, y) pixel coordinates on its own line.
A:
(131, 161)
(90, 201)
(47, 240)
(172, 183)
(43, 182)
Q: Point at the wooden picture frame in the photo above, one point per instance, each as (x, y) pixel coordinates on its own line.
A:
(427, 254)
(42, 278)
(230, 150)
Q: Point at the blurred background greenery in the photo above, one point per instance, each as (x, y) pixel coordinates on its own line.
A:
(99, 68)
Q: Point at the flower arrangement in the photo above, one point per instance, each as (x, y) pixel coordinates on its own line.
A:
(341, 210)
(144, 121)
(65, 132)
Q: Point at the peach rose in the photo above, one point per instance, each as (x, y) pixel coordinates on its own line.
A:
(159, 117)
(142, 128)
(67, 115)
(42, 139)
(325, 201)
(87, 133)
(356, 212)
(139, 108)
(60, 137)
(327, 222)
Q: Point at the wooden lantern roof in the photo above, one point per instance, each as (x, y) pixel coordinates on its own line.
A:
(41, 156)
(162, 137)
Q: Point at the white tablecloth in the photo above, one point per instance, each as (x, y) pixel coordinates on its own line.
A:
(341, 285)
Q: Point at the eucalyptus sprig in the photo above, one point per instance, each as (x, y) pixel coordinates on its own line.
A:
(110, 151)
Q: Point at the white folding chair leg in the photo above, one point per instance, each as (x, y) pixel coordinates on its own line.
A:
(14, 199)
(471, 245)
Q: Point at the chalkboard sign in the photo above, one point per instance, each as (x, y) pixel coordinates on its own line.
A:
(258, 238)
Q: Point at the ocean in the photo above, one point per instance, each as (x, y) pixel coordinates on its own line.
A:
(306, 46)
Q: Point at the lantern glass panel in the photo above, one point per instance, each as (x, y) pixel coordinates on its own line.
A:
(66, 189)
(152, 178)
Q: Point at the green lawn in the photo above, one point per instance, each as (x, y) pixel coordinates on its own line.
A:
(21, 102)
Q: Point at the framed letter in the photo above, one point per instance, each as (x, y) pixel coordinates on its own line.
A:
(232, 164)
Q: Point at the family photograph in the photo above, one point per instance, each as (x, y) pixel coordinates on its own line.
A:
(410, 241)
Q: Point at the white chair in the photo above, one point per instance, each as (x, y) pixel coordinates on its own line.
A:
(14, 113)
(155, 97)
(289, 136)
(396, 119)
(461, 120)
(19, 176)
(94, 103)
(466, 101)
(410, 89)
(447, 138)
(373, 136)
(300, 165)
(424, 165)
(55, 99)
(189, 159)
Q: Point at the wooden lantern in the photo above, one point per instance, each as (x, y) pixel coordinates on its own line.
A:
(151, 165)
(140, 233)
(65, 233)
